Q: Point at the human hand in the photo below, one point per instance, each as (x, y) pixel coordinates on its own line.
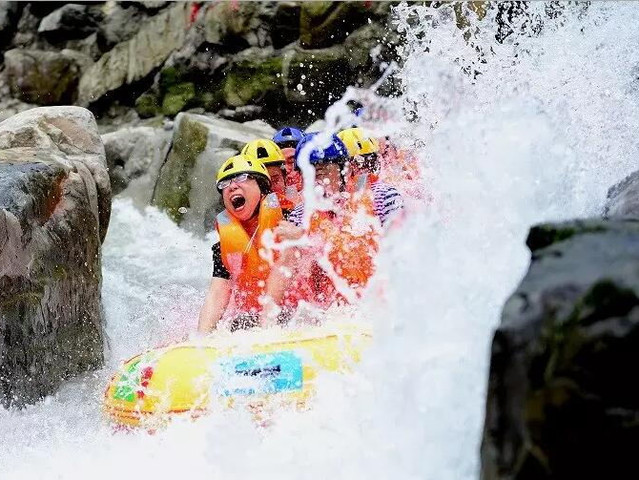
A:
(287, 231)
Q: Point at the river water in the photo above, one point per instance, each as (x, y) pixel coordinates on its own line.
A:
(538, 131)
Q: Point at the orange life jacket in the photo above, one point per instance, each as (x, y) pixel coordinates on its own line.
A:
(289, 200)
(244, 257)
(350, 239)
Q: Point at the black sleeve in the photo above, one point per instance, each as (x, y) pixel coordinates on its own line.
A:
(219, 270)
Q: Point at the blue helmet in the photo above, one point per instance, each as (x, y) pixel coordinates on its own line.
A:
(335, 152)
(288, 137)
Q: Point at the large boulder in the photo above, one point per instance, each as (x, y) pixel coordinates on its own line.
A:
(69, 22)
(138, 57)
(186, 185)
(134, 156)
(43, 78)
(54, 212)
(562, 401)
(623, 198)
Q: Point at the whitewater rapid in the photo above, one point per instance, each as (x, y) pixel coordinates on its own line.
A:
(545, 125)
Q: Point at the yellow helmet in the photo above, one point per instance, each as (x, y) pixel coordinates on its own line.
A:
(265, 150)
(242, 164)
(368, 145)
(352, 138)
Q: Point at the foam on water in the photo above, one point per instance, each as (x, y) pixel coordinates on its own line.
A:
(547, 124)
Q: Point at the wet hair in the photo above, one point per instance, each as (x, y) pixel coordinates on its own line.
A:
(263, 183)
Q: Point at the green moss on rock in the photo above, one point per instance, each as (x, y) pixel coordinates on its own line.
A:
(174, 183)
(542, 236)
(177, 98)
(323, 24)
(147, 105)
(249, 81)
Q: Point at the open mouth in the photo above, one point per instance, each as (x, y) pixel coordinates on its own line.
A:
(238, 201)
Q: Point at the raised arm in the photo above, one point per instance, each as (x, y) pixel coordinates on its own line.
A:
(215, 303)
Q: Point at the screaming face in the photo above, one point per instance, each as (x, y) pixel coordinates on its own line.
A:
(241, 199)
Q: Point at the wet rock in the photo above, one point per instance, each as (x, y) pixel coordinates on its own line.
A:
(55, 202)
(324, 24)
(316, 78)
(122, 22)
(186, 185)
(562, 401)
(27, 28)
(147, 105)
(70, 22)
(369, 49)
(239, 25)
(623, 198)
(242, 114)
(42, 9)
(44, 78)
(9, 106)
(134, 156)
(9, 15)
(251, 78)
(177, 98)
(286, 24)
(138, 57)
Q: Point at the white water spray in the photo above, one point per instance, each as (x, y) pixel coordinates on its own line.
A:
(539, 134)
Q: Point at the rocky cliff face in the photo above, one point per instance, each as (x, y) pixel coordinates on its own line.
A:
(55, 200)
(162, 58)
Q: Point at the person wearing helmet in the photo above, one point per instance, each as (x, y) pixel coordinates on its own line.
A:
(267, 151)
(338, 169)
(363, 152)
(287, 139)
(241, 274)
(337, 238)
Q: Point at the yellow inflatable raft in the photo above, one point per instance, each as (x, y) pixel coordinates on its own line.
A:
(258, 369)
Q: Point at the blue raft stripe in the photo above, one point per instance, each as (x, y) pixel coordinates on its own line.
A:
(261, 374)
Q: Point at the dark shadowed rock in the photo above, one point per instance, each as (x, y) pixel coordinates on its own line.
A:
(323, 24)
(562, 400)
(9, 16)
(70, 22)
(316, 78)
(43, 78)
(42, 9)
(623, 198)
(54, 212)
(286, 24)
